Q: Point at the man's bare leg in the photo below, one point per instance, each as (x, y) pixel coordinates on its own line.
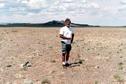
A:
(67, 56)
(63, 58)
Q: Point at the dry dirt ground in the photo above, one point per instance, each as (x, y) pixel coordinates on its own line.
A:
(33, 56)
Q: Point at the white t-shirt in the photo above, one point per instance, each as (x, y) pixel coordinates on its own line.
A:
(67, 32)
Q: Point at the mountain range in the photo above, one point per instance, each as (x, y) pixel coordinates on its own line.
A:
(53, 23)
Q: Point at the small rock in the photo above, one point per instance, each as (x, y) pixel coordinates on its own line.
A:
(121, 56)
(53, 61)
(97, 67)
(88, 49)
(25, 65)
(118, 52)
(9, 65)
(98, 54)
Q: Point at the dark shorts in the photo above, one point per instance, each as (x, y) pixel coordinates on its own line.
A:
(65, 47)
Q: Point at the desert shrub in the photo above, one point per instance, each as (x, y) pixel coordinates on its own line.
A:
(45, 81)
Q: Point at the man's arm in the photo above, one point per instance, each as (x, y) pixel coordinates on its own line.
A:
(63, 37)
(72, 38)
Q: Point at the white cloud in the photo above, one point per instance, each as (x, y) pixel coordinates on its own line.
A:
(68, 1)
(2, 5)
(38, 4)
(123, 1)
(23, 1)
(95, 5)
(35, 4)
(123, 6)
(80, 11)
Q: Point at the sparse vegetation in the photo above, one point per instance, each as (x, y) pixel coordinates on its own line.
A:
(120, 66)
(50, 46)
(118, 78)
(96, 82)
(14, 31)
(45, 81)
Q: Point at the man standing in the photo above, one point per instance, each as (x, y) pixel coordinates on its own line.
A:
(67, 36)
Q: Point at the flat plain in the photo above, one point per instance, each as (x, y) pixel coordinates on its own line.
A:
(33, 56)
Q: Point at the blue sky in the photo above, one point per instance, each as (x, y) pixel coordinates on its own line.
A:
(96, 12)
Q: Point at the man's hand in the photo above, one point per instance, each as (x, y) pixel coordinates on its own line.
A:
(63, 37)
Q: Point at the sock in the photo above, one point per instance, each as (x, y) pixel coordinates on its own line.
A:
(63, 63)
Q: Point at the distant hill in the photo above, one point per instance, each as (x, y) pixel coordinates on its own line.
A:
(53, 23)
